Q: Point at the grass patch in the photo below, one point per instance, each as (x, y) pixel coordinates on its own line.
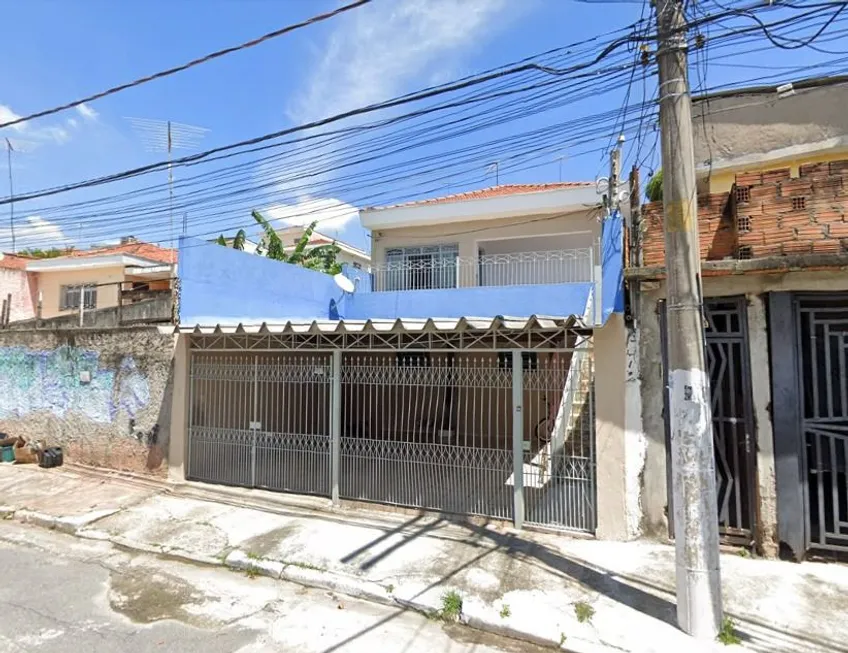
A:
(743, 553)
(727, 633)
(390, 588)
(505, 611)
(253, 556)
(562, 639)
(251, 572)
(451, 605)
(584, 612)
(306, 565)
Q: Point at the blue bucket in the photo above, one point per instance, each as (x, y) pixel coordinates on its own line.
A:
(8, 454)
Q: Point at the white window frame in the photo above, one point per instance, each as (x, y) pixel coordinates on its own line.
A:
(69, 296)
(404, 269)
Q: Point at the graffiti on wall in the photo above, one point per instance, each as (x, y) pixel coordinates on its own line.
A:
(69, 380)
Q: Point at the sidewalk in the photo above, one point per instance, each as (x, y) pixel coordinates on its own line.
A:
(523, 584)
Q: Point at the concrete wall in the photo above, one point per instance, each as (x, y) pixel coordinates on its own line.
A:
(155, 310)
(754, 288)
(104, 395)
(750, 131)
(220, 284)
(50, 284)
(22, 287)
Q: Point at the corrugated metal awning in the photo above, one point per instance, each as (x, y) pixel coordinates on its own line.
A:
(399, 325)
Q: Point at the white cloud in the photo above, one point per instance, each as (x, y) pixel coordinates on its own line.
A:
(376, 51)
(33, 232)
(35, 135)
(332, 214)
(87, 112)
(73, 123)
(7, 115)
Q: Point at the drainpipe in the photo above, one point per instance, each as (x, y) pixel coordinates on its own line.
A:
(597, 273)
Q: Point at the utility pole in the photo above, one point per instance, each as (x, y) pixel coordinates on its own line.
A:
(9, 149)
(699, 609)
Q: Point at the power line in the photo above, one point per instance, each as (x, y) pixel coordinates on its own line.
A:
(191, 64)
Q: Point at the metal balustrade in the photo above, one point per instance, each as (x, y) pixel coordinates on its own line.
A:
(424, 272)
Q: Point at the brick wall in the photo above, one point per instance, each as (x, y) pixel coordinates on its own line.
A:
(766, 214)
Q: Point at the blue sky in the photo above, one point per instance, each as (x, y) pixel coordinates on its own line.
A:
(71, 49)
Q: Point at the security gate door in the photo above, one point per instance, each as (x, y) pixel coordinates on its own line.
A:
(734, 446)
(822, 328)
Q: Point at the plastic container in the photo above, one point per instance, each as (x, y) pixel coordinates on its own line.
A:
(52, 457)
(7, 454)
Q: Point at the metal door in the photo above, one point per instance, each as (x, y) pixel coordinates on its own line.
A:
(260, 420)
(728, 366)
(822, 331)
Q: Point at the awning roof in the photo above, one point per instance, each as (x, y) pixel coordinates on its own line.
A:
(380, 326)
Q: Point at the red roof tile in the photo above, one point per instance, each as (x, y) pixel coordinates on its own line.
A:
(13, 262)
(141, 250)
(493, 191)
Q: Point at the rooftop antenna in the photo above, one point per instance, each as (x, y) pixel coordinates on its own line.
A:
(167, 136)
(495, 166)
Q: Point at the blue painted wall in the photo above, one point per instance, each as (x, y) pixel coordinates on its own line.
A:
(220, 284)
(612, 265)
(224, 285)
(560, 299)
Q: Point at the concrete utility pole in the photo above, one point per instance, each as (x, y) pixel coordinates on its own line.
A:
(699, 609)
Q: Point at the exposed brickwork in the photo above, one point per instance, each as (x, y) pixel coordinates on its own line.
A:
(766, 214)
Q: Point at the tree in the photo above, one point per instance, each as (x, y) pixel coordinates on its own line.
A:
(321, 258)
(53, 252)
(238, 241)
(654, 189)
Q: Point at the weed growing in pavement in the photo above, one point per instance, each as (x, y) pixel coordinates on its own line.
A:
(253, 556)
(390, 588)
(562, 639)
(505, 611)
(251, 572)
(743, 553)
(583, 611)
(306, 565)
(451, 605)
(727, 633)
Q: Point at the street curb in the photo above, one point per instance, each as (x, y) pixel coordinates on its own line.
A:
(343, 584)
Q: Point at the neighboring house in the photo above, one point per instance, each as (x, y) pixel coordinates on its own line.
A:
(767, 127)
(18, 287)
(774, 251)
(348, 254)
(103, 277)
(478, 369)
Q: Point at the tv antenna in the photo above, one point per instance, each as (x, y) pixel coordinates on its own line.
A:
(167, 136)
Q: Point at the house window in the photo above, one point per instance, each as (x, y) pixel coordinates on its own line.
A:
(529, 360)
(69, 297)
(421, 268)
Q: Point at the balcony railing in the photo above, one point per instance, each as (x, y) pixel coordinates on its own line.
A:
(513, 269)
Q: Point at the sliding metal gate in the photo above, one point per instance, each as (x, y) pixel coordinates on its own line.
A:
(261, 420)
(822, 328)
(453, 431)
(734, 447)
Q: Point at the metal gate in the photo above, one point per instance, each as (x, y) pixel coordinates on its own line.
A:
(260, 420)
(453, 431)
(822, 328)
(728, 366)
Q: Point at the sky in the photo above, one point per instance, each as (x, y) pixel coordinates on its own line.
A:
(391, 47)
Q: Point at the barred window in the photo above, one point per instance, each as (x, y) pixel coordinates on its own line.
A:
(69, 297)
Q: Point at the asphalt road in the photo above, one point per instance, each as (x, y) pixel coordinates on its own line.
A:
(59, 593)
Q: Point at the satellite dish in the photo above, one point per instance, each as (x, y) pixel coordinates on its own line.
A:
(344, 283)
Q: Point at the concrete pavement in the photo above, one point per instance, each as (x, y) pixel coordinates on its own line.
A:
(62, 594)
(529, 585)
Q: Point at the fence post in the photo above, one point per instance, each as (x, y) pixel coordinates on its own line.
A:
(336, 425)
(254, 424)
(518, 438)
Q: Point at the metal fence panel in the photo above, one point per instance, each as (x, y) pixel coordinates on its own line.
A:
(429, 431)
(261, 420)
(559, 440)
